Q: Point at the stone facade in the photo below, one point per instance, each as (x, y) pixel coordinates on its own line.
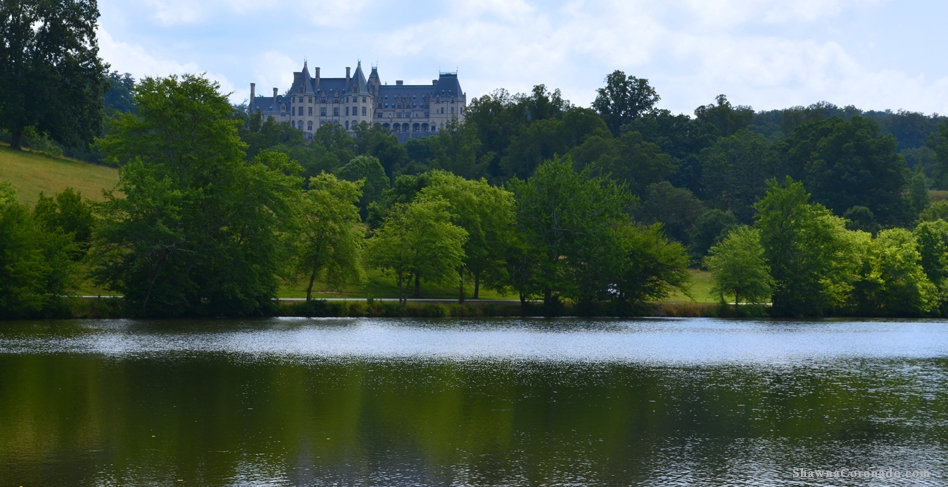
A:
(407, 110)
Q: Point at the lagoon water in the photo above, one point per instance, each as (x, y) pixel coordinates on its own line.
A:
(481, 402)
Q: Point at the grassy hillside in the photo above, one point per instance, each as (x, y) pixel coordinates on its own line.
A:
(31, 174)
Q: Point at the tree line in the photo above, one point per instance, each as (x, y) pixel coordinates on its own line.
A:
(530, 194)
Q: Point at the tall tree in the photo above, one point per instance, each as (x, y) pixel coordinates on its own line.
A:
(329, 240)
(50, 72)
(739, 269)
(624, 99)
(486, 214)
(807, 249)
(568, 220)
(192, 228)
(847, 163)
(418, 240)
(374, 181)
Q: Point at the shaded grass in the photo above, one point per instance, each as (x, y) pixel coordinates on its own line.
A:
(380, 285)
(31, 173)
(938, 195)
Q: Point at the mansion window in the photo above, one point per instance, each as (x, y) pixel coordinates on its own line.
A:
(301, 111)
(363, 111)
(310, 111)
(335, 111)
(322, 111)
(363, 99)
(347, 111)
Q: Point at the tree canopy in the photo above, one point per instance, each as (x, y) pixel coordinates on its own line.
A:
(51, 76)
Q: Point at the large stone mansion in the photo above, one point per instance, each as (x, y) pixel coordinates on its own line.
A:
(407, 110)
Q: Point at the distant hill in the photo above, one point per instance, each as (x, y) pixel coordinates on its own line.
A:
(32, 173)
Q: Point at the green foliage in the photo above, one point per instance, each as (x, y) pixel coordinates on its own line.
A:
(35, 265)
(121, 94)
(329, 240)
(808, 251)
(567, 223)
(891, 278)
(382, 145)
(624, 99)
(628, 159)
(418, 240)
(7, 193)
(67, 212)
(847, 163)
(374, 181)
(938, 143)
(862, 219)
(931, 238)
(197, 229)
(710, 228)
(50, 70)
(735, 170)
(650, 266)
(724, 118)
(936, 211)
(676, 208)
(486, 213)
(260, 135)
(739, 269)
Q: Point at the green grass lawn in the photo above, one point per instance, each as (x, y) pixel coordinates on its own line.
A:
(31, 173)
(700, 289)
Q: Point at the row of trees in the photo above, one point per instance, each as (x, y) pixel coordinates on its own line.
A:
(194, 227)
(803, 257)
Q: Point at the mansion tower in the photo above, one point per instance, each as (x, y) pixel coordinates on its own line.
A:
(409, 111)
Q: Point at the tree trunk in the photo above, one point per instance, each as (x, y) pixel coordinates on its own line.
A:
(523, 304)
(417, 286)
(309, 290)
(401, 295)
(461, 286)
(16, 139)
(736, 300)
(477, 286)
(547, 297)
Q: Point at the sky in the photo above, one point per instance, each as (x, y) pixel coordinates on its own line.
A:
(768, 54)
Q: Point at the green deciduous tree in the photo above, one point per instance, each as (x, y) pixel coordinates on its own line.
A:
(486, 214)
(808, 251)
(67, 212)
(891, 279)
(675, 208)
(624, 99)
(938, 143)
(417, 240)
(568, 220)
(368, 170)
(739, 269)
(329, 239)
(649, 266)
(192, 227)
(735, 170)
(50, 72)
(35, 265)
(846, 163)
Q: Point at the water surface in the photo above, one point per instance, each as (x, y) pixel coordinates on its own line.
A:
(482, 402)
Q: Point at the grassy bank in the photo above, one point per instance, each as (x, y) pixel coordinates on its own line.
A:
(31, 173)
(104, 308)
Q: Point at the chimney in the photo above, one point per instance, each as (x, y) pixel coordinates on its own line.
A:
(317, 76)
(253, 95)
(275, 91)
(348, 75)
(399, 82)
(434, 82)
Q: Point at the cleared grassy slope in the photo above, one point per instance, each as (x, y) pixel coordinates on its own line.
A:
(31, 174)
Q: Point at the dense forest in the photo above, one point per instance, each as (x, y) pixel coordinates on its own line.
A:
(818, 209)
